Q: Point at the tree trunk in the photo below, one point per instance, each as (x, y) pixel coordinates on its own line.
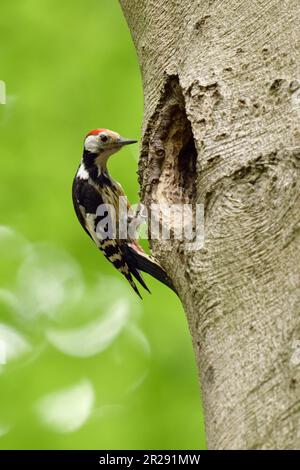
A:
(221, 127)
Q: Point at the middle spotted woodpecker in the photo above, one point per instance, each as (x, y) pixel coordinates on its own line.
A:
(93, 187)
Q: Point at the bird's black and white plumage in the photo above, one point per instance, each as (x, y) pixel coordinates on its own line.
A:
(93, 187)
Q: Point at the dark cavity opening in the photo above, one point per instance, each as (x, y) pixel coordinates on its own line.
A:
(172, 151)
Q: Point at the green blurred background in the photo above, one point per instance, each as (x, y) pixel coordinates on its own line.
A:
(85, 364)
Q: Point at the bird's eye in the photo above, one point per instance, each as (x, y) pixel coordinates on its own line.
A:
(103, 138)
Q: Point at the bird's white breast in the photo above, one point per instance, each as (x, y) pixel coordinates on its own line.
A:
(82, 172)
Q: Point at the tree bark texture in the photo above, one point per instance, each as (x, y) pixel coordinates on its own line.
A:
(222, 127)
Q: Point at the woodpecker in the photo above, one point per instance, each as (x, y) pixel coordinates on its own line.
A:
(93, 187)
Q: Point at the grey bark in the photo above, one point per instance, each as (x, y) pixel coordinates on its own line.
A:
(222, 127)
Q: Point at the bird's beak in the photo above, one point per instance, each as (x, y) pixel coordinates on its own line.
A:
(123, 141)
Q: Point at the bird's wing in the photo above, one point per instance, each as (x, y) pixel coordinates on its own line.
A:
(77, 196)
(86, 200)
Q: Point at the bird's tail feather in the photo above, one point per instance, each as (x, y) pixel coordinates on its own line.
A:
(133, 285)
(140, 261)
(139, 277)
